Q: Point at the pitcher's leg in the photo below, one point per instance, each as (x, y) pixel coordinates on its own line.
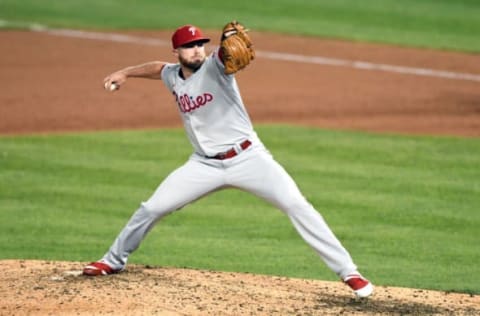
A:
(264, 177)
(186, 184)
(131, 236)
(315, 231)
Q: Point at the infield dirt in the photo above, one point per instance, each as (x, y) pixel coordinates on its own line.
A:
(54, 84)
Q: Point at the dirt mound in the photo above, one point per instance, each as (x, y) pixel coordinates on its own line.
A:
(53, 288)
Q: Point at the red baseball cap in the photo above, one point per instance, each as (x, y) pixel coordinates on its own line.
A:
(187, 34)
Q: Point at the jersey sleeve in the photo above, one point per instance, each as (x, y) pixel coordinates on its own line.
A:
(168, 74)
(217, 57)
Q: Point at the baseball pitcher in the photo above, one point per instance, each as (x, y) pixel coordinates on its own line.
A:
(227, 152)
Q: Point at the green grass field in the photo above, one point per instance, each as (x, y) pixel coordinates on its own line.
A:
(442, 24)
(405, 207)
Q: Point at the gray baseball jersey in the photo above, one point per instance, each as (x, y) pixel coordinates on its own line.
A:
(209, 101)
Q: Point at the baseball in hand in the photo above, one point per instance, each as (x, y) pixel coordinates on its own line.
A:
(111, 87)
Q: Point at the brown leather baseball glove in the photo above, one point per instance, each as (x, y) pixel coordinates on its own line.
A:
(236, 46)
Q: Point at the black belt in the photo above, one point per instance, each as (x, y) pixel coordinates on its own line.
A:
(232, 152)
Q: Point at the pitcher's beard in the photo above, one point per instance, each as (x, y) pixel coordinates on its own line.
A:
(193, 66)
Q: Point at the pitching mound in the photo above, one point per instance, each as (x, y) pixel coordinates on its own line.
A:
(53, 288)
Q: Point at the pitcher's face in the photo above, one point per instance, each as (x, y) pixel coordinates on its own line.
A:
(191, 55)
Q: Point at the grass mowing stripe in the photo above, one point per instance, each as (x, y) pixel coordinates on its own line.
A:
(405, 207)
